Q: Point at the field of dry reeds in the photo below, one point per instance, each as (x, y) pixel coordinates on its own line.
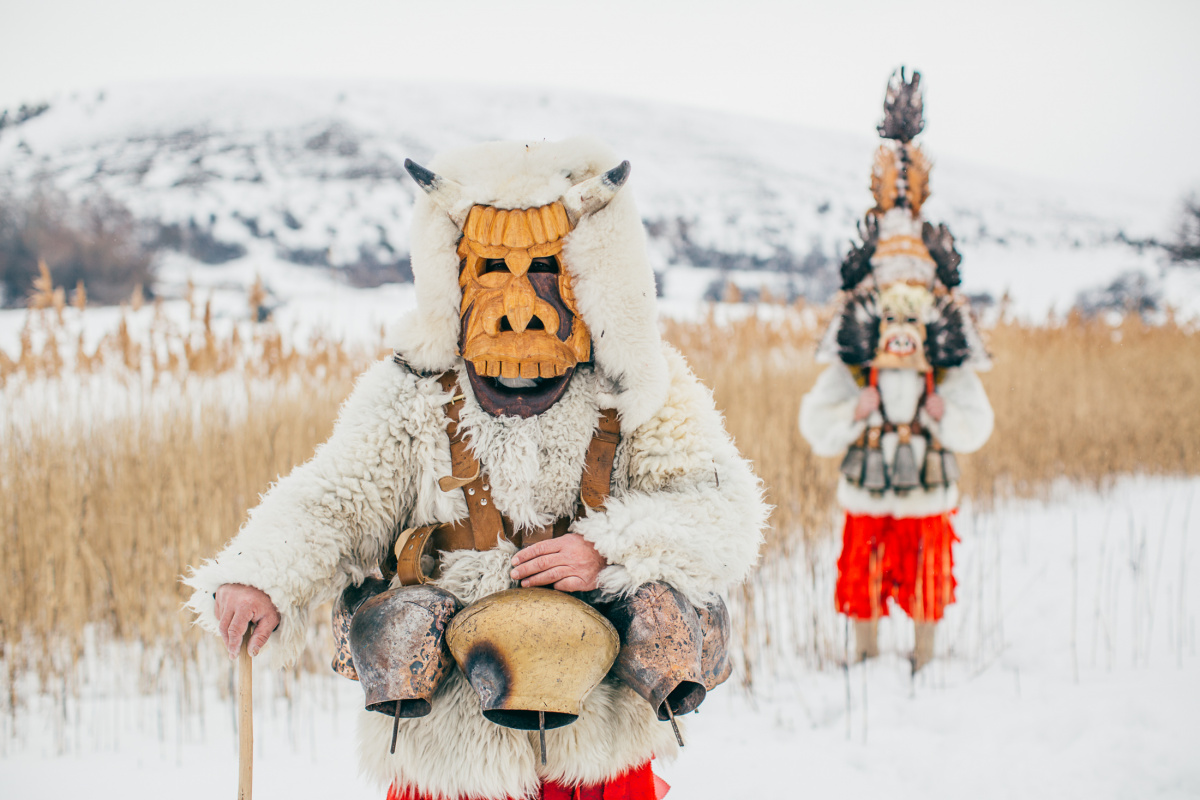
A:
(101, 513)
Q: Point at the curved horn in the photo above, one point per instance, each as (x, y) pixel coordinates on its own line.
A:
(591, 195)
(449, 195)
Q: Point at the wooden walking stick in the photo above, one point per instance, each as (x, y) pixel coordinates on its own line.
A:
(245, 719)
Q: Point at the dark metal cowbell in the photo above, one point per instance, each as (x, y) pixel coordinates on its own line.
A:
(875, 477)
(950, 467)
(343, 612)
(715, 627)
(932, 475)
(661, 649)
(854, 461)
(904, 466)
(398, 641)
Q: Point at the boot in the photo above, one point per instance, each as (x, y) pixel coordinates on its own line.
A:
(923, 650)
(866, 639)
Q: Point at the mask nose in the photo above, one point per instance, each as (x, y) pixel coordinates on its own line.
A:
(519, 302)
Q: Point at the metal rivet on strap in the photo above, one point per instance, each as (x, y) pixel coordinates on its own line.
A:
(486, 487)
(470, 491)
(483, 502)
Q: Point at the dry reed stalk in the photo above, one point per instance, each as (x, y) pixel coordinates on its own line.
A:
(95, 530)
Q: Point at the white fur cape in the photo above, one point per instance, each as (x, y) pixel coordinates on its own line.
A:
(685, 509)
(827, 422)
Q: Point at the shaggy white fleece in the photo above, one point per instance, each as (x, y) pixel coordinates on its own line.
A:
(329, 522)
(686, 507)
(827, 422)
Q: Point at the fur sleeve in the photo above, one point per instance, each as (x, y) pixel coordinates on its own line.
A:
(827, 412)
(968, 420)
(692, 514)
(328, 522)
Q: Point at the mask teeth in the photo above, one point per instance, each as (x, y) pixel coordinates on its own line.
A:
(509, 370)
(493, 369)
(546, 369)
(529, 370)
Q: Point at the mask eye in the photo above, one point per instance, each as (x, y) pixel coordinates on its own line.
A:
(547, 265)
(494, 265)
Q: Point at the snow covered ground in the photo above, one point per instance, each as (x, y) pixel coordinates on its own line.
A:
(1068, 669)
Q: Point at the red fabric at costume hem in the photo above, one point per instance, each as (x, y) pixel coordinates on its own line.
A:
(639, 783)
(910, 561)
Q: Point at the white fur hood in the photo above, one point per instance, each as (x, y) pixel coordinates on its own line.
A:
(605, 254)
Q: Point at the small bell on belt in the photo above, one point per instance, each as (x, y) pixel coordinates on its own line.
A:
(950, 467)
(855, 460)
(933, 476)
(904, 467)
(875, 477)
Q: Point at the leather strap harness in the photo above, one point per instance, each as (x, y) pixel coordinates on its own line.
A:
(484, 525)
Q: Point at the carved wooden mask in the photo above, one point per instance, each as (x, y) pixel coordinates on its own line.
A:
(518, 317)
(903, 309)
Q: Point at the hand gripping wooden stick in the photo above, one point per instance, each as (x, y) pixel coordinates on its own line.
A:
(245, 719)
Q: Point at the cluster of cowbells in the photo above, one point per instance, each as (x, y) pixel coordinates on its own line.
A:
(864, 465)
(532, 655)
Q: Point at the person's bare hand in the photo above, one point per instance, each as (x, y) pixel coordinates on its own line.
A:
(935, 406)
(569, 563)
(868, 401)
(239, 605)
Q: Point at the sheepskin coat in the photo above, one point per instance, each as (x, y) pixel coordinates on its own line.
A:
(827, 422)
(685, 508)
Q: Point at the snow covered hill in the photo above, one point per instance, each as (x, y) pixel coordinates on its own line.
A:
(303, 182)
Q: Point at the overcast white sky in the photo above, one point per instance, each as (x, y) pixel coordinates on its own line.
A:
(1099, 93)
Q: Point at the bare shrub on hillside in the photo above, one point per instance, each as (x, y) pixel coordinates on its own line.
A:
(1186, 246)
(95, 241)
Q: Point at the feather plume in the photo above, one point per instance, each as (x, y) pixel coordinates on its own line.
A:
(903, 108)
(857, 264)
(916, 175)
(940, 243)
(946, 343)
(858, 333)
(883, 179)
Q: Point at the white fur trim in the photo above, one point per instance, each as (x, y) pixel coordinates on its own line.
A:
(606, 254)
(968, 421)
(534, 463)
(328, 523)
(692, 512)
(827, 412)
(900, 392)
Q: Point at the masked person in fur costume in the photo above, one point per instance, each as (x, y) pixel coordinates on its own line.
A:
(900, 396)
(521, 512)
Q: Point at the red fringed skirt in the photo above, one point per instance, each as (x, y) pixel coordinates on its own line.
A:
(639, 783)
(910, 561)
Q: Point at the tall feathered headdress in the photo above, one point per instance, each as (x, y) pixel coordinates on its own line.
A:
(898, 246)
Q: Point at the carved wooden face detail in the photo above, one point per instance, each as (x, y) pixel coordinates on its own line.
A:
(518, 319)
(903, 310)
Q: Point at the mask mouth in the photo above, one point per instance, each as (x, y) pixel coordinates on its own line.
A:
(519, 397)
(902, 343)
(518, 383)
